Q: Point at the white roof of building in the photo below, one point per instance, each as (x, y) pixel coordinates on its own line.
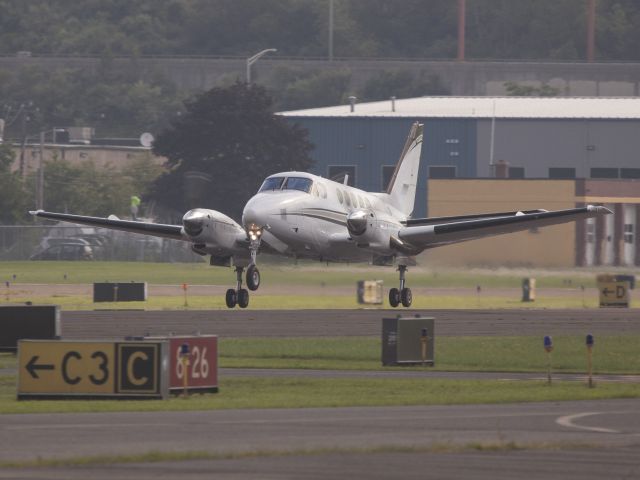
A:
(486, 107)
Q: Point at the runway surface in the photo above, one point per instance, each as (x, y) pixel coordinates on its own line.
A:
(331, 323)
(601, 439)
(561, 440)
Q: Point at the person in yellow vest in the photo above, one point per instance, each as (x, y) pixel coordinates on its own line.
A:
(135, 204)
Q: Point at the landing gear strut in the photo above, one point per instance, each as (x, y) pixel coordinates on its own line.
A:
(239, 296)
(253, 274)
(403, 294)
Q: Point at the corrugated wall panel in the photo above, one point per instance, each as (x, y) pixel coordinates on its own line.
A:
(371, 143)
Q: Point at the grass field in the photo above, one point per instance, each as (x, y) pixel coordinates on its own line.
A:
(254, 392)
(259, 301)
(310, 274)
(612, 354)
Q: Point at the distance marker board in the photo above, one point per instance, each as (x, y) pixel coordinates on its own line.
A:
(92, 369)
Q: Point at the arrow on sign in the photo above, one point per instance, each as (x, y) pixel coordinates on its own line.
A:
(32, 368)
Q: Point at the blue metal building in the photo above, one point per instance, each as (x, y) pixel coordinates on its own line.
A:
(465, 137)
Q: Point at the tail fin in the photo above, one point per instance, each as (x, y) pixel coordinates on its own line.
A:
(402, 187)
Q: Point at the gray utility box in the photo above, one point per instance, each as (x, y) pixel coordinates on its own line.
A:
(27, 321)
(406, 340)
(120, 292)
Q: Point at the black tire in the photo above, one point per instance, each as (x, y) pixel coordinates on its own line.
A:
(394, 297)
(406, 297)
(231, 298)
(253, 277)
(243, 298)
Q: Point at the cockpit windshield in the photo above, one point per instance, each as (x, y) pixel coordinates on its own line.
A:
(272, 183)
(291, 183)
(298, 183)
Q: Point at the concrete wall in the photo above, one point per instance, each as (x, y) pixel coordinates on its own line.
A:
(463, 78)
(546, 247)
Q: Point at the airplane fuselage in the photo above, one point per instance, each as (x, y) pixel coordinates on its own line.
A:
(313, 217)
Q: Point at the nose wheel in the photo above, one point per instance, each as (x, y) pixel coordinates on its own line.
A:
(253, 277)
(239, 296)
(403, 294)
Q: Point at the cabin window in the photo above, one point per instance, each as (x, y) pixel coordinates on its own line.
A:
(272, 183)
(298, 183)
(340, 197)
(322, 190)
(347, 198)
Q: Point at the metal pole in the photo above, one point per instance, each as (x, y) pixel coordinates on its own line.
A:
(330, 30)
(461, 29)
(255, 58)
(40, 178)
(492, 141)
(591, 30)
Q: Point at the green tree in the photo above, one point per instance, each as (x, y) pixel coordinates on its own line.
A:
(296, 88)
(222, 148)
(514, 89)
(90, 190)
(402, 84)
(13, 196)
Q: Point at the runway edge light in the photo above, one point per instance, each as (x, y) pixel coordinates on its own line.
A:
(590, 341)
(548, 347)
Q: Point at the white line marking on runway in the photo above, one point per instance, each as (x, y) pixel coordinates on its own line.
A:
(567, 421)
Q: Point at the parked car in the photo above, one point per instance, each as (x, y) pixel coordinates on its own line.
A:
(65, 251)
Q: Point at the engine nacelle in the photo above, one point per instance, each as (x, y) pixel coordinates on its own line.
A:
(211, 232)
(357, 222)
(364, 230)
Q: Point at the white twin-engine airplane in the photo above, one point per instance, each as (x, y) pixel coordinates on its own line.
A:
(305, 216)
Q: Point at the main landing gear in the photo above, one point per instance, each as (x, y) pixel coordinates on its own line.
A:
(402, 294)
(240, 296)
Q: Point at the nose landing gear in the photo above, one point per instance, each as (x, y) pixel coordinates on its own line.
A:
(403, 294)
(240, 296)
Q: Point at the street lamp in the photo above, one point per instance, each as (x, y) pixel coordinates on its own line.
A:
(255, 58)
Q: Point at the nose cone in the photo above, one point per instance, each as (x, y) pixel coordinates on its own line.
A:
(250, 214)
(193, 222)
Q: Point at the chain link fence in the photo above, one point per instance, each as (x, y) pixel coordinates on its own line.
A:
(40, 242)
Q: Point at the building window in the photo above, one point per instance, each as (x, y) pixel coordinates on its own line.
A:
(628, 233)
(591, 233)
(602, 172)
(516, 172)
(630, 173)
(387, 173)
(442, 172)
(562, 172)
(338, 172)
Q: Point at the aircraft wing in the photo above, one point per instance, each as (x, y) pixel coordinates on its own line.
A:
(156, 229)
(420, 234)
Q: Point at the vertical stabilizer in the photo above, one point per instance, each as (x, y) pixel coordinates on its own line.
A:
(402, 187)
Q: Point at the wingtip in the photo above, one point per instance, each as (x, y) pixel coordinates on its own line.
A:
(599, 209)
(35, 212)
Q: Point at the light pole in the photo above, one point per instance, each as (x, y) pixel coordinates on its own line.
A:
(40, 174)
(255, 58)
